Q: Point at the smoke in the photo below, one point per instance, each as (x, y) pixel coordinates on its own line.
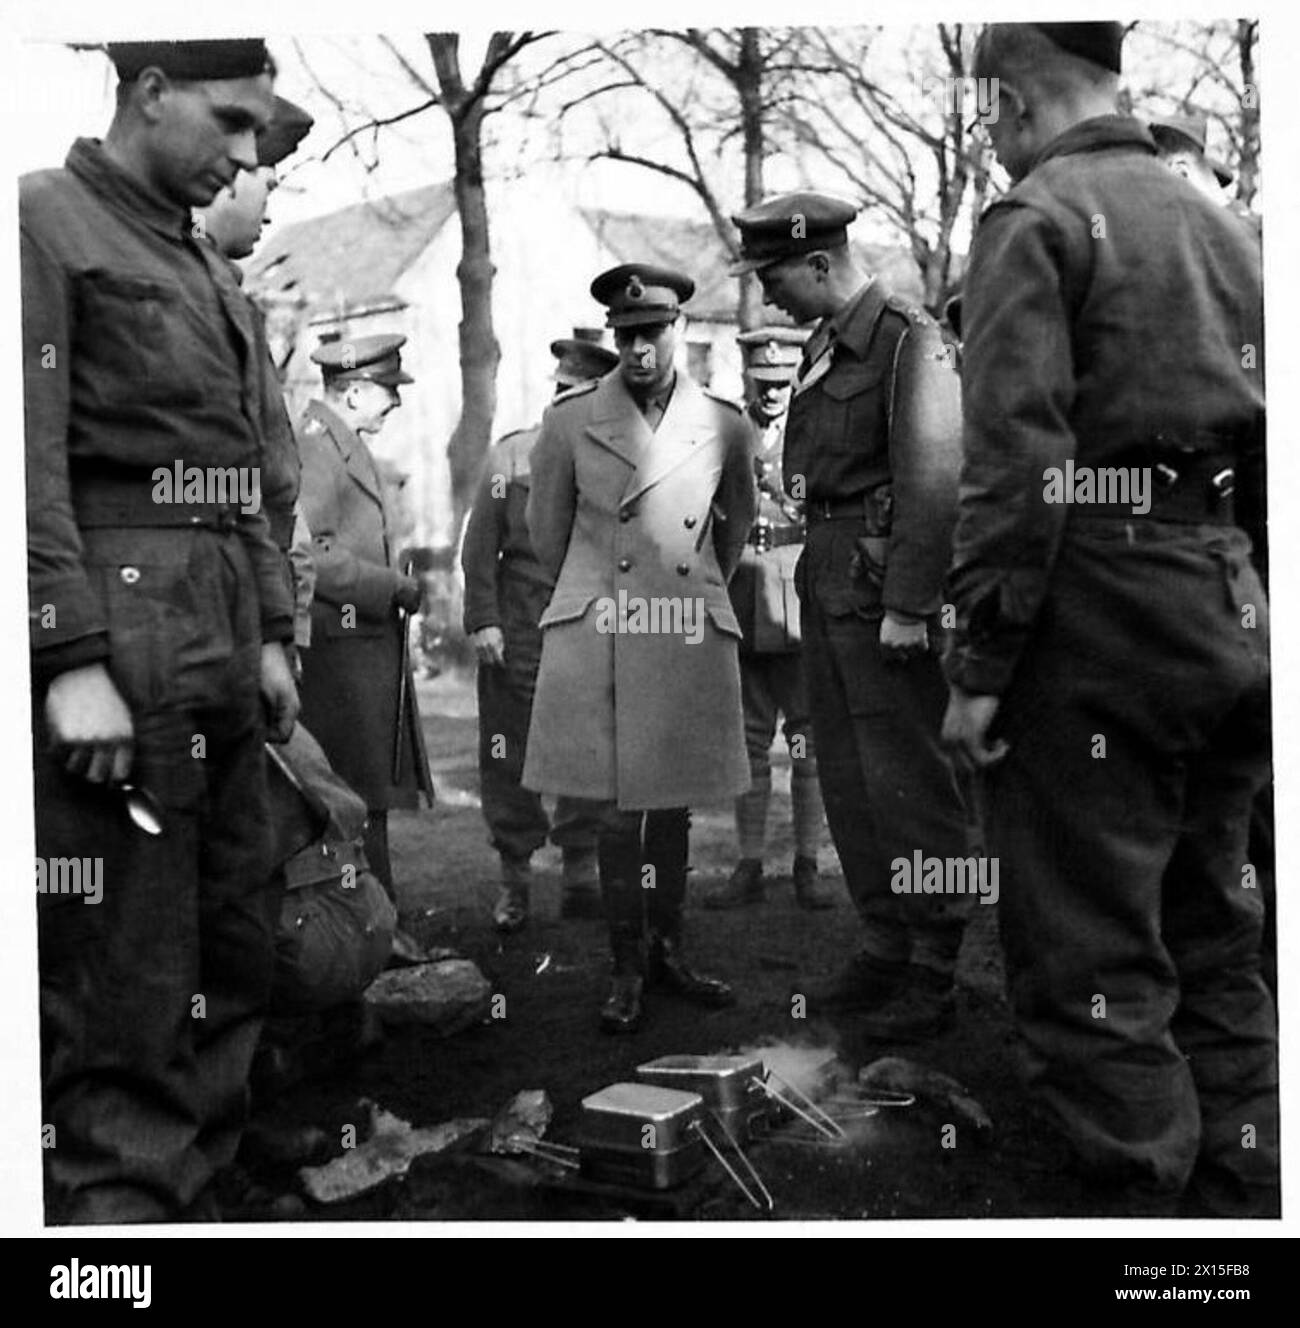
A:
(814, 1070)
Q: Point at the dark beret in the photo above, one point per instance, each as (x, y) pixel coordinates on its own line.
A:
(289, 126)
(196, 61)
(1096, 42)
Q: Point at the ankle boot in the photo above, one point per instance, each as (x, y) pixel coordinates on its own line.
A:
(510, 911)
(623, 1009)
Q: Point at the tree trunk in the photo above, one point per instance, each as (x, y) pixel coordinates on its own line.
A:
(479, 352)
(749, 86)
(1248, 166)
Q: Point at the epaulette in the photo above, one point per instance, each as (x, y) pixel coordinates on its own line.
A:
(312, 428)
(578, 390)
(912, 312)
(722, 401)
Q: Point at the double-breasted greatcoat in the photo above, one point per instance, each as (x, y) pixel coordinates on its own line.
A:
(641, 528)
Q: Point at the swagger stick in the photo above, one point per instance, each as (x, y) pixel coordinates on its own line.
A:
(404, 619)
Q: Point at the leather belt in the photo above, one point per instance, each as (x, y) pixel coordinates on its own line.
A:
(765, 535)
(1193, 488)
(102, 501)
(836, 509)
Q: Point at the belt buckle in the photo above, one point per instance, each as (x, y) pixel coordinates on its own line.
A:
(762, 534)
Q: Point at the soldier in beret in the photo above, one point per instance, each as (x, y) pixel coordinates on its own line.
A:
(1181, 143)
(506, 590)
(872, 447)
(158, 634)
(642, 497)
(771, 666)
(352, 673)
(1110, 675)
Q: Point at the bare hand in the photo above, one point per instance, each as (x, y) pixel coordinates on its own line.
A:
(966, 728)
(489, 645)
(409, 594)
(278, 692)
(89, 720)
(901, 641)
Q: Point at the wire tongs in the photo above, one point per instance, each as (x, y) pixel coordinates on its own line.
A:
(826, 1126)
(768, 1203)
(562, 1155)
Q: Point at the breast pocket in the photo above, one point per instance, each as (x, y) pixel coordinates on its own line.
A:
(129, 330)
(851, 416)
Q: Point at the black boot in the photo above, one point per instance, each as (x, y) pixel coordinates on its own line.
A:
(619, 858)
(667, 850)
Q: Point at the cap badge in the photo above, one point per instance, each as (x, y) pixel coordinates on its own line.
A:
(635, 290)
(771, 355)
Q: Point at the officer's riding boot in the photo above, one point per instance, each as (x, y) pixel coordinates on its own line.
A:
(580, 897)
(667, 851)
(619, 858)
(510, 911)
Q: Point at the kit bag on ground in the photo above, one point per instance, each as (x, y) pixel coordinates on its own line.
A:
(336, 924)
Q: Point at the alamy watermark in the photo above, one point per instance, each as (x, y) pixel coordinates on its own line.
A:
(217, 486)
(1120, 486)
(921, 875)
(664, 615)
(71, 876)
(957, 96)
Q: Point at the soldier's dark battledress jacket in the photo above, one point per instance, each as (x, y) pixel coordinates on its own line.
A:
(140, 353)
(1113, 320)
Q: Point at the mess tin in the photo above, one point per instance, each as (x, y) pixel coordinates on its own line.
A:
(641, 1134)
(731, 1087)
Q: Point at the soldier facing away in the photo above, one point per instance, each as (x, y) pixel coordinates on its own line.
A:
(1110, 676)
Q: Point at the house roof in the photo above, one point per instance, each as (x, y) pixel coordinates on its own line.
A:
(353, 258)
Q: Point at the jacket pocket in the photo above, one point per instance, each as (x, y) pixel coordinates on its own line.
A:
(147, 609)
(130, 330)
(566, 608)
(850, 416)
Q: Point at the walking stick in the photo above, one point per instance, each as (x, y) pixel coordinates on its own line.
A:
(404, 619)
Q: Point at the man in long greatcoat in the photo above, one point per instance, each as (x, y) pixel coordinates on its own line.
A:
(642, 498)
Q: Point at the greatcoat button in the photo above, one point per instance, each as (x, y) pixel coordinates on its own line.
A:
(689, 523)
(129, 575)
(625, 514)
(625, 564)
(683, 569)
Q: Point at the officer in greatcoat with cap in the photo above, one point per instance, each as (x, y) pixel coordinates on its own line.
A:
(642, 497)
(771, 663)
(872, 448)
(354, 675)
(506, 590)
(1110, 675)
(158, 624)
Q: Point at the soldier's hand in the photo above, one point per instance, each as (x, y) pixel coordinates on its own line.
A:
(489, 645)
(409, 594)
(90, 722)
(279, 694)
(966, 729)
(901, 640)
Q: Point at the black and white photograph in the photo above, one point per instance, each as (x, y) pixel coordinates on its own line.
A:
(638, 623)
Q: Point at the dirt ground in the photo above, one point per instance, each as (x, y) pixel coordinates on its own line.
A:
(552, 975)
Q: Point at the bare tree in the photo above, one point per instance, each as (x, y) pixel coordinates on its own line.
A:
(467, 102)
(723, 97)
(1208, 69)
(893, 123)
